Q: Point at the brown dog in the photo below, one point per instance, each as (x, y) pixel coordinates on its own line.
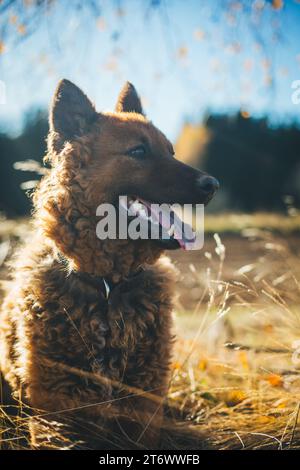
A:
(70, 347)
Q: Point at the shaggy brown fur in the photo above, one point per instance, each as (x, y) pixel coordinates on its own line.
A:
(63, 344)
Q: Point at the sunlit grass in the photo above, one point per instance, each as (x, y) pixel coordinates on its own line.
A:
(237, 359)
(236, 365)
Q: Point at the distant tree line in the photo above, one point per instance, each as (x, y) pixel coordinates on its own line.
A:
(29, 145)
(257, 165)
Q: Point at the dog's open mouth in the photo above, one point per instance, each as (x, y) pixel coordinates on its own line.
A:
(161, 222)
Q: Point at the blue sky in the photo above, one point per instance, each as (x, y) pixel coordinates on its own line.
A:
(186, 58)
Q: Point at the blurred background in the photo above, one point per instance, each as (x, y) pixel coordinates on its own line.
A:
(221, 78)
(216, 76)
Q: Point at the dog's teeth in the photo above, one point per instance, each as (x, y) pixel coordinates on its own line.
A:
(171, 230)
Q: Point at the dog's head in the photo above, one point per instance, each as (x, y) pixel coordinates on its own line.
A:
(97, 157)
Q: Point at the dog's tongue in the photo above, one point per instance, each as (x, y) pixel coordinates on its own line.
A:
(172, 224)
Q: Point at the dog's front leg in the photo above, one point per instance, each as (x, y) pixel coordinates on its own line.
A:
(140, 426)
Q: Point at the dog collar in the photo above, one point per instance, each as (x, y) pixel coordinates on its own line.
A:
(100, 283)
(97, 281)
(107, 288)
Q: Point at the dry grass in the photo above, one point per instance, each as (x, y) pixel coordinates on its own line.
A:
(238, 351)
(236, 369)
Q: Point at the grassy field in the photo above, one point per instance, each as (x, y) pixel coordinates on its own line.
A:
(237, 359)
(236, 368)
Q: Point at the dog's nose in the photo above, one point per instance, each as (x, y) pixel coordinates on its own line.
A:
(208, 184)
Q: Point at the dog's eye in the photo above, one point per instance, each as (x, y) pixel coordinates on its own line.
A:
(138, 151)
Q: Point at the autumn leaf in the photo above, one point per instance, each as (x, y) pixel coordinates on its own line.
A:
(2, 47)
(268, 328)
(277, 4)
(199, 35)
(245, 114)
(202, 364)
(182, 52)
(275, 380)
(176, 365)
(13, 19)
(243, 358)
(235, 397)
(280, 404)
(265, 419)
(21, 29)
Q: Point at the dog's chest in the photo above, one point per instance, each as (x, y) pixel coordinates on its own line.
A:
(128, 331)
(125, 324)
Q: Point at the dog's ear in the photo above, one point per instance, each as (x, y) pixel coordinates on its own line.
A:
(128, 100)
(71, 114)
